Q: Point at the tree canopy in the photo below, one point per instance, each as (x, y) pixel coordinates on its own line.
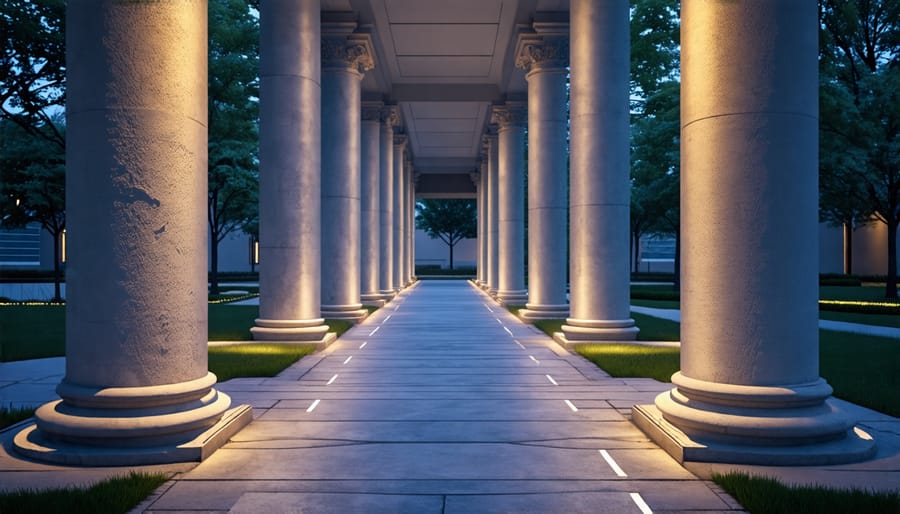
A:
(860, 116)
(447, 220)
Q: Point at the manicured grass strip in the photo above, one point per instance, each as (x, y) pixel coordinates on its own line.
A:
(231, 322)
(339, 326)
(112, 496)
(864, 293)
(32, 332)
(631, 360)
(762, 495)
(656, 329)
(884, 320)
(12, 415)
(549, 326)
(254, 359)
(657, 304)
(862, 369)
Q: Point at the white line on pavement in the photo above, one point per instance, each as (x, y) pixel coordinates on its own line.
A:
(332, 379)
(571, 406)
(641, 504)
(535, 360)
(522, 346)
(386, 319)
(313, 406)
(363, 345)
(612, 463)
(488, 308)
(551, 380)
(376, 330)
(508, 331)
(348, 359)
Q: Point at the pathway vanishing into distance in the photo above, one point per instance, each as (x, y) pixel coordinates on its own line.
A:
(441, 402)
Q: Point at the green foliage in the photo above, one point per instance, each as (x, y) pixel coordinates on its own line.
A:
(862, 369)
(233, 182)
(763, 495)
(447, 220)
(112, 496)
(860, 116)
(12, 415)
(33, 66)
(32, 332)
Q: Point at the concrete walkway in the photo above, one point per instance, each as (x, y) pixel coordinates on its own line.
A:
(444, 402)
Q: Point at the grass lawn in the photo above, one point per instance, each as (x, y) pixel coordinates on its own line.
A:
(38, 331)
(885, 320)
(113, 496)
(760, 495)
(12, 415)
(652, 329)
(254, 359)
(629, 360)
(657, 304)
(865, 293)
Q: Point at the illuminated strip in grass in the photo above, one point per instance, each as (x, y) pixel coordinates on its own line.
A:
(859, 303)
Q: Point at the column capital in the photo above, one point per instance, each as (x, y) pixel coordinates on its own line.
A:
(400, 140)
(371, 111)
(542, 50)
(475, 177)
(340, 50)
(390, 115)
(510, 114)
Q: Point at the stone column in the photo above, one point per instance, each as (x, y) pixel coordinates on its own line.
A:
(600, 189)
(411, 226)
(511, 119)
(137, 389)
(749, 389)
(399, 163)
(482, 222)
(370, 210)
(493, 204)
(544, 54)
(345, 57)
(479, 206)
(290, 174)
(389, 118)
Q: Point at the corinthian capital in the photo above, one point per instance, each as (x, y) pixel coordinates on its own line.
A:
(390, 115)
(352, 52)
(371, 111)
(510, 114)
(535, 51)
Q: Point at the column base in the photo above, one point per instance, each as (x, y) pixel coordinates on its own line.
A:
(519, 297)
(311, 331)
(352, 312)
(532, 311)
(387, 295)
(373, 299)
(768, 425)
(115, 426)
(583, 331)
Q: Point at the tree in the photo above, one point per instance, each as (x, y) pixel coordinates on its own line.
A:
(860, 112)
(655, 123)
(233, 176)
(33, 66)
(32, 185)
(447, 220)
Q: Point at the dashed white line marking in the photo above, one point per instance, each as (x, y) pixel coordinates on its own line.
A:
(363, 345)
(522, 346)
(332, 379)
(571, 406)
(508, 331)
(612, 463)
(551, 380)
(535, 360)
(487, 307)
(386, 319)
(498, 320)
(313, 406)
(376, 330)
(641, 504)
(348, 359)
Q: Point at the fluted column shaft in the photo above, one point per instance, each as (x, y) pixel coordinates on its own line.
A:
(290, 175)
(600, 189)
(511, 119)
(493, 218)
(136, 328)
(345, 58)
(386, 203)
(410, 225)
(482, 222)
(749, 388)
(370, 211)
(545, 56)
(398, 217)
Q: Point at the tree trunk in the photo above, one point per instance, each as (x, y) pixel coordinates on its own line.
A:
(848, 248)
(57, 296)
(214, 265)
(890, 290)
(451, 256)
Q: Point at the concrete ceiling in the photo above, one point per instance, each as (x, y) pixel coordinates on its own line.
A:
(444, 62)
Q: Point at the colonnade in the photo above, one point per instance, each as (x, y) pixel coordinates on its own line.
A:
(336, 219)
